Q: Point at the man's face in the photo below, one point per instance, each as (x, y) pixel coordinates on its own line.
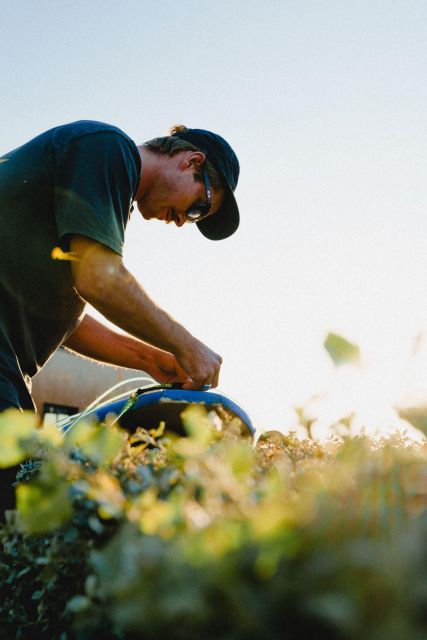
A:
(177, 188)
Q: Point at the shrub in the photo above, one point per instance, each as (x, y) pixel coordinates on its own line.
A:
(208, 536)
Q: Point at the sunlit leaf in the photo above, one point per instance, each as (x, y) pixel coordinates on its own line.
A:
(43, 508)
(240, 457)
(15, 430)
(417, 416)
(105, 445)
(99, 443)
(81, 432)
(197, 424)
(341, 350)
(51, 435)
(158, 519)
(159, 432)
(222, 537)
(105, 489)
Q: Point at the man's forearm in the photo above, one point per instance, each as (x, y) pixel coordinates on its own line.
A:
(128, 306)
(96, 341)
(108, 286)
(102, 280)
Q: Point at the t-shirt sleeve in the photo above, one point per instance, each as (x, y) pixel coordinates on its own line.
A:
(96, 177)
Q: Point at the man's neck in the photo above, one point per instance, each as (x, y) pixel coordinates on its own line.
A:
(149, 168)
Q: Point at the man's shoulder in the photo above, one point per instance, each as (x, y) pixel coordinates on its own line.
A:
(61, 136)
(65, 133)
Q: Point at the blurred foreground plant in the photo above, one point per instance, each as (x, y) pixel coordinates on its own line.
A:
(155, 536)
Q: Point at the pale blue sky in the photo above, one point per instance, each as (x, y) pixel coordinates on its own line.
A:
(325, 104)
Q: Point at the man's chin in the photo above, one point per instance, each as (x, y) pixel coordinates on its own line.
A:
(146, 215)
(151, 215)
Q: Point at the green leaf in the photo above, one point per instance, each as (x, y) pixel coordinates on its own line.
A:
(16, 428)
(341, 351)
(100, 443)
(240, 457)
(197, 424)
(417, 416)
(42, 508)
(78, 603)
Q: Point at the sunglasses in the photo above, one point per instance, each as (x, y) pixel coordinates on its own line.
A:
(200, 210)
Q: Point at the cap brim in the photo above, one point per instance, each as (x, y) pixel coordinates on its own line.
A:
(225, 221)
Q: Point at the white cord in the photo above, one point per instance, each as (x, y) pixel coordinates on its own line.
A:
(69, 422)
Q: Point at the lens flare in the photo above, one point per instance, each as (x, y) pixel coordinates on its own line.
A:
(58, 254)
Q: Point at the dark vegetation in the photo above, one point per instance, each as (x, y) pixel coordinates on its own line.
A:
(210, 537)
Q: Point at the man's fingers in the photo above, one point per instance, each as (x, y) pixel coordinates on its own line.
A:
(190, 384)
(215, 379)
(202, 366)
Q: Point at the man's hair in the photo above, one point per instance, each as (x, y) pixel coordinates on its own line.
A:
(171, 144)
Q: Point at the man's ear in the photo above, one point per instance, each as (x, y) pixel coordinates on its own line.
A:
(196, 159)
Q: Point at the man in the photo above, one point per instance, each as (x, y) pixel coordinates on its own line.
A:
(68, 193)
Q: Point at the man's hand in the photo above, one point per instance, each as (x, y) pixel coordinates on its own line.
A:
(163, 367)
(200, 366)
(201, 363)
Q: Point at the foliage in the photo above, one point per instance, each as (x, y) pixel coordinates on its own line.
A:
(417, 416)
(209, 536)
(341, 351)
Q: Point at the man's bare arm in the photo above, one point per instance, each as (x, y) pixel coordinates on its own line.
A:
(101, 278)
(94, 340)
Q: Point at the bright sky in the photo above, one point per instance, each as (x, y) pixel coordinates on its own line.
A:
(325, 104)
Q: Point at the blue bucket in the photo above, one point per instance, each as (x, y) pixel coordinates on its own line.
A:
(154, 406)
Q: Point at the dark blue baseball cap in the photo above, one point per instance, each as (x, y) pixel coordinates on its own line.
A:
(219, 153)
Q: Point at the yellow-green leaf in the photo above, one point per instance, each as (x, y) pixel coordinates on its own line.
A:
(43, 508)
(99, 443)
(341, 350)
(16, 428)
(197, 424)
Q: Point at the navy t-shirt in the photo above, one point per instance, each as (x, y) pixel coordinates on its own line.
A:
(79, 178)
